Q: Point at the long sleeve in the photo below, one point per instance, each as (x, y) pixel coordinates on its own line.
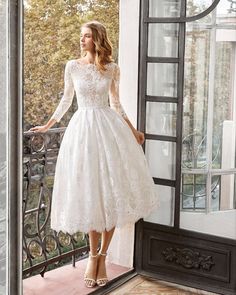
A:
(67, 97)
(114, 98)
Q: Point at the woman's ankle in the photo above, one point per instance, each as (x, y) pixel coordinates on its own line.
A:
(93, 254)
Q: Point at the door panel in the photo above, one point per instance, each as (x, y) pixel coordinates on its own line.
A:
(209, 119)
(161, 163)
(162, 8)
(167, 43)
(186, 110)
(161, 118)
(166, 75)
(165, 213)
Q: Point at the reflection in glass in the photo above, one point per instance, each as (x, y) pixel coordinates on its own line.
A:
(162, 79)
(224, 101)
(221, 221)
(194, 192)
(164, 8)
(165, 213)
(195, 7)
(161, 158)
(209, 123)
(194, 150)
(161, 118)
(163, 40)
(201, 75)
(195, 97)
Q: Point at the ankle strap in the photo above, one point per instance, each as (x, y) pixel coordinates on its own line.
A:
(90, 254)
(103, 254)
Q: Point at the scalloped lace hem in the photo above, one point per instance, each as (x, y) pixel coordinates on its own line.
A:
(101, 226)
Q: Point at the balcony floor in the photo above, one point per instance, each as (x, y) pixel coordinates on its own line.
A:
(66, 280)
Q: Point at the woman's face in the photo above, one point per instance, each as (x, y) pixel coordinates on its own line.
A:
(86, 41)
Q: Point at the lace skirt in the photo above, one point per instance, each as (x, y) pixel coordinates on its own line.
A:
(102, 178)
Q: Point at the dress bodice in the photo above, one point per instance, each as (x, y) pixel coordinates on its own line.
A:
(92, 88)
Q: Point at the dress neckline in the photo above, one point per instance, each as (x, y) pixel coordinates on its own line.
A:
(89, 64)
(84, 64)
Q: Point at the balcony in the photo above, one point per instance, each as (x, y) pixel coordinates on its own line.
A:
(44, 248)
(54, 263)
(67, 280)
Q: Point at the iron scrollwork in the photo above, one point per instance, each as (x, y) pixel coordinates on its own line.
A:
(188, 258)
(42, 246)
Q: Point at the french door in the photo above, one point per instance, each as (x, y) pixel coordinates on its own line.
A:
(187, 99)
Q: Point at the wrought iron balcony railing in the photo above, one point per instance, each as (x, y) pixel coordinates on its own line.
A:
(44, 248)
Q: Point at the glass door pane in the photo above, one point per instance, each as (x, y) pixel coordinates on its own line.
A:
(195, 7)
(161, 118)
(165, 213)
(164, 8)
(208, 199)
(162, 79)
(161, 158)
(161, 105)
(163, 40)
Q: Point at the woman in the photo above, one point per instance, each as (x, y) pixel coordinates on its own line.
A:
(102, 179)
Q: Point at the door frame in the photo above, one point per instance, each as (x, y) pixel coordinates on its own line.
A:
(14, 148)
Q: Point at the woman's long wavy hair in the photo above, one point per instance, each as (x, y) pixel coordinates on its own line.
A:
(103, 46)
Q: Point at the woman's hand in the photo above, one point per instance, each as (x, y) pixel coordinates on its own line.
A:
(43, 128)
(139, 136)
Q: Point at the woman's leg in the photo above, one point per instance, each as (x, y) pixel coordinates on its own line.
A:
(106, 239)
(91, 269)
(105, 242)
(93, 241)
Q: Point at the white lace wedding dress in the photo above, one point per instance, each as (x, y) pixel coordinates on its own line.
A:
(102, 178)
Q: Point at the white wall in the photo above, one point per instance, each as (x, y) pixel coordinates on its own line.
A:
(128, 56)
(122, 243)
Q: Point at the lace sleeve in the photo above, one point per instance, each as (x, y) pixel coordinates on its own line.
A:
(114, 98)
(67, 97)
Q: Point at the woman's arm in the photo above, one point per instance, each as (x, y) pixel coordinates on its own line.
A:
(64, 104)
(114, 99)
(43, 128)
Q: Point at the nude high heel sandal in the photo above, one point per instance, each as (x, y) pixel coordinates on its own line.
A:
(89, 282)
(102, 281)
